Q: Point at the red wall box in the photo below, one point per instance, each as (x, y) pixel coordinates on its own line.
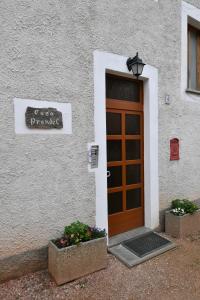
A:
(174, 149)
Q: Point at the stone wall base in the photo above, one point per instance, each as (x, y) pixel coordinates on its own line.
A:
(23, 263)
(35, 260)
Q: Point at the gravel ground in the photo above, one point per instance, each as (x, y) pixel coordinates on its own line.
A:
(173, 275)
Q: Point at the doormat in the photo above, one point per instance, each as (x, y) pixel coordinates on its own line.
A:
(139, 248)
(146, 244)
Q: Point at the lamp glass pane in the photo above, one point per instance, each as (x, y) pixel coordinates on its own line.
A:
(140, 68)
(135, 69)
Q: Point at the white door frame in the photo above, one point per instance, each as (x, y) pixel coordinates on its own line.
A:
(108, 62)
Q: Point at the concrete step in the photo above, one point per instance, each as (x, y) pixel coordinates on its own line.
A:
(128, 257)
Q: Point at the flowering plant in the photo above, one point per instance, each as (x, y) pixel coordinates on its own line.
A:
(182, 207)
(78, 232)
(178, 211)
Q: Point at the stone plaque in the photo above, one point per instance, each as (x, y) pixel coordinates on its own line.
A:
(43, 118)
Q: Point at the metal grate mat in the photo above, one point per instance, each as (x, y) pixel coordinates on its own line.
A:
(146, 244)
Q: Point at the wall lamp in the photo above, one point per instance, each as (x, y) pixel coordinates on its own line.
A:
(136, 65)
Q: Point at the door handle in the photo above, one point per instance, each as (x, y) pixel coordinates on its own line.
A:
(108, 174)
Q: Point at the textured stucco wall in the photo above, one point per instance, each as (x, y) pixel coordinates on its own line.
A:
(195, 3)
(184, 175)
(47, 54)
(44, 179)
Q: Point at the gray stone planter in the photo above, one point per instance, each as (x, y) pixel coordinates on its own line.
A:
(182, 226)
(72, 262)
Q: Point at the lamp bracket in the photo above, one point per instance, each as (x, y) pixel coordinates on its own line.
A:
(129, 63)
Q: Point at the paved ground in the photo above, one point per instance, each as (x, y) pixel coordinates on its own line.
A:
(173, 275)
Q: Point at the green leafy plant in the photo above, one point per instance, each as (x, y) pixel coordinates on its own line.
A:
(78, 232)
(180, 207)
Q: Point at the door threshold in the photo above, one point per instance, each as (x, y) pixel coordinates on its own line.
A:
(119, 238)
(141, 248)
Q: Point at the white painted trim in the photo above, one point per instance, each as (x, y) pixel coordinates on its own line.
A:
(111, 62)
(20, 106)
(188, 11)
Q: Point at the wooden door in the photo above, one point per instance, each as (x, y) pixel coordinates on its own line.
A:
(125, 155)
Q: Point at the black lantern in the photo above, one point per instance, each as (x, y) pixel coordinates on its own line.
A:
(136, 65)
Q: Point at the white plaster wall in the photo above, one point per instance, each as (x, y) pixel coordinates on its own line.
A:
(44, 180)
(190, 115)
(47, 54)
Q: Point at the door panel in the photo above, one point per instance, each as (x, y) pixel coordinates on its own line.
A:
(133, 174)
(113, 123)
(132, 124)
(125, 159)
(114, 150)
(133, 198)
(123, 89)
(115, 204)
(133, 149)
(115, 178)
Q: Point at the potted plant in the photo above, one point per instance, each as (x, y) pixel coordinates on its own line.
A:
(182, 219)
(81, 250)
